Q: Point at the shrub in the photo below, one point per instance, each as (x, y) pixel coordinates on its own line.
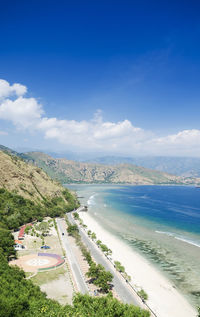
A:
(142, 294)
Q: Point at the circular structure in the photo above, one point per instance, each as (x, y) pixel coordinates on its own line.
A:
(38, 262)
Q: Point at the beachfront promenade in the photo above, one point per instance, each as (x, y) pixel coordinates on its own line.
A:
(122, 289)
(77, 274)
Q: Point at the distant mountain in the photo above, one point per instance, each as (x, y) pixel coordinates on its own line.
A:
(8, 150)
(120, 170)
(68, 171)
(182, 166)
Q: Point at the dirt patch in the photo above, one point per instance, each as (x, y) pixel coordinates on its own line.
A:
(59, 289)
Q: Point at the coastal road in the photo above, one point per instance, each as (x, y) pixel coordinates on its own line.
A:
(123, 290)
(77, 274)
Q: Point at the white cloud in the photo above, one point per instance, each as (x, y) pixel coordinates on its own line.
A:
(96, 134)
(185, 137)
(23, 112)
(7, 90)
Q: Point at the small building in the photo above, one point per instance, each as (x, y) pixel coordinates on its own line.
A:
(19, 247)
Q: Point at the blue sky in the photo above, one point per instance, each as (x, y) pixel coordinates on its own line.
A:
(118, 77)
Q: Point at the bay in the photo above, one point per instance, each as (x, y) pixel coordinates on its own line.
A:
(160, 222)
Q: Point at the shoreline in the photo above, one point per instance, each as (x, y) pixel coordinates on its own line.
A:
(164, 299)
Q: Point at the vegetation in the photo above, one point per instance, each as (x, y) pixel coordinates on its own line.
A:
(119, 267)
(98, 243)
(7, 243)
(142, 294)
(105, 306)
(89, 233)
(127, 277)
(105, 249)
(72, 230)
(93, 236)
(17, 210)
(45, 277)
(20, 297)
(75, 172)
(76, 216)
(100, 277)
(44, 228)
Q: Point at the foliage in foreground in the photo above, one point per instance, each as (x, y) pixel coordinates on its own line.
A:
(20, 297)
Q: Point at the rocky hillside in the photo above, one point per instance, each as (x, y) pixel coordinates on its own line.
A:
(68, 171)
(180, 166)
(28, 180)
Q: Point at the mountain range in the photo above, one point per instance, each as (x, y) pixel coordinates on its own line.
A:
(69, 171)
(181, 166)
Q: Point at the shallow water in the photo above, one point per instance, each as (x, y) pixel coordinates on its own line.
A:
(160, 222)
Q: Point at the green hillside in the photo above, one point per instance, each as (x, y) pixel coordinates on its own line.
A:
(67, 171)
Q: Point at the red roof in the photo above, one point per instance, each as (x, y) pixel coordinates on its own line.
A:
(21, 231)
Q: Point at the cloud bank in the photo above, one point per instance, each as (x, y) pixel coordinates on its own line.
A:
(94, 135)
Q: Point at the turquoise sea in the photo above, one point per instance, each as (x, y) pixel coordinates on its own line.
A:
(160, 222)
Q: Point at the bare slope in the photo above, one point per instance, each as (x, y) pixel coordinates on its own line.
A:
(27, 180)
(70, 172)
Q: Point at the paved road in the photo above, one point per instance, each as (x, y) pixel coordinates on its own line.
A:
(78, 277)
(125, 293)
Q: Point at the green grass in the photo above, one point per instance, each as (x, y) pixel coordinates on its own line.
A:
(28, 274)
(45, 277)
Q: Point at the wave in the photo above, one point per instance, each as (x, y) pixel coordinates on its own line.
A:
(91, 200)
(171, 234)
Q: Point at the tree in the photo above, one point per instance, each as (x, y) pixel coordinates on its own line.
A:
(119, 267)
(99, 243)
(143, 294)
(76, 215)
(105, 306)
(44, 228)
(72, 229)
(7, 243)
(27, 229)
(89, 233)
(100, 277)
(103, 281)
(127, 277)
(105, 249)
(93, 236)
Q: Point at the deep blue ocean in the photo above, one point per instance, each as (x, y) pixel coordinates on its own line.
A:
(165, 206)
(160, 222)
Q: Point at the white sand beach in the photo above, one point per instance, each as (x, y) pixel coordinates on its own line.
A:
(164, 299)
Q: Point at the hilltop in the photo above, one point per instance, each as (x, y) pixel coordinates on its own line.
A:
(29, 181)
(68, 171)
